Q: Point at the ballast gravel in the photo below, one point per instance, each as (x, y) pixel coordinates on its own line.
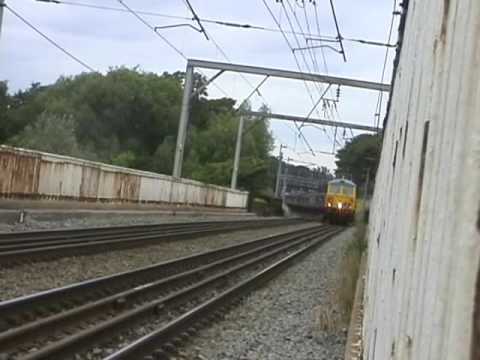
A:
(286, 319)
(26, 279)
(99, 219)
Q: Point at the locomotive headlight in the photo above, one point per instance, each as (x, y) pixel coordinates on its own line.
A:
(339, 205)
(329, 204)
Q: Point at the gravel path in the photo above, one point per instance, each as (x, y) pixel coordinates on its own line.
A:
(29, 278)
(293, 317)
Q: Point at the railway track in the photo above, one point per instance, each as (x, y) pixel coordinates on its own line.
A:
(19, 247)
(162, 302)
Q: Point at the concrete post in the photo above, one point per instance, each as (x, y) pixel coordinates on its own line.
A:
(183, 123)
(238, 150)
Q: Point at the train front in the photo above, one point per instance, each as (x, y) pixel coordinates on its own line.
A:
(340, 201)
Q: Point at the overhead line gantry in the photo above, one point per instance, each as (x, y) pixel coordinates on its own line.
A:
(270, 72)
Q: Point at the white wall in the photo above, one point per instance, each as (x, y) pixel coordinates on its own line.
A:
(424, 244)
(37, 175)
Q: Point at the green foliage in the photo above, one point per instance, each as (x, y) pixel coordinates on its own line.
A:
(212, 149)
(4, 111)
(130, 118)
(349, 270)
(125, 159)
(51, 133)
(359, 155)
(162, 161)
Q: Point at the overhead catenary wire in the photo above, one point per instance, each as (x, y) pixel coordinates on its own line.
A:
(239, 109)
(378, 109)
(151, 27)
(297, 63)
(295, 57)
(168, 42)
(254, 91)
(311, 51)
(242, 26)
(127, 8)
(224, 54)
(226, 57)
(221, 50)
(339, 35)
(303, 57)
(317, 23)
(171, 45)
(196, 18)
(49, 39)
(322, 50)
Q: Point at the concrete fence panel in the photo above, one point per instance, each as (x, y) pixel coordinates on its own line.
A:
(37, 175)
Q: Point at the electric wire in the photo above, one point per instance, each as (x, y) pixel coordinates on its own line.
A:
(303, 57)
(317, 22)
(151, 27)
(322, 50)
(317, 85)
(50, 40)
(379, 106)
(339, 36)
(255, 90)
(311, 52)
(244, 26)
(296, 62)
(168, 42)
(196, 18)
(226, 57)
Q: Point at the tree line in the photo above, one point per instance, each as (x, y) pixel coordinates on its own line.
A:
(129, 117)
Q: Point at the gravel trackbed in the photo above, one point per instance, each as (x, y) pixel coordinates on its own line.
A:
(281, 321)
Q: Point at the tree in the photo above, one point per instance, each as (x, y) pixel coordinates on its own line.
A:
(358, 157)
(5, 103)
(162, 161)
(130, 118)
(211, 152)
(51, 133)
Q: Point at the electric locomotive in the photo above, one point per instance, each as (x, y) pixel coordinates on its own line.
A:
(340, 201)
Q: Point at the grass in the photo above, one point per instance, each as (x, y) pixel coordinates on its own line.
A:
(335, 314)
(349, 270)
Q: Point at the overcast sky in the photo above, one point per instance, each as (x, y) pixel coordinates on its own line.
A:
(105, 39)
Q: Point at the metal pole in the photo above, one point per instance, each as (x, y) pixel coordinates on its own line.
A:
(284, 187)
(2, 5)
(182, 126)
(367, 180)
(238, 149)
(279, 172)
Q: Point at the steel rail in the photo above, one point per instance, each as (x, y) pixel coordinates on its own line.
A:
(121, 299)
(157, 339)
(14, 244)
(78, 232)
(15, 308)
(20, 236)
(32, 250)
(66, 346)
(26, 244)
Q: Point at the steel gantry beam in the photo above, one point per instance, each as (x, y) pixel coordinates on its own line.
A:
(312, 121)
(269, 72)
(246, 69)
